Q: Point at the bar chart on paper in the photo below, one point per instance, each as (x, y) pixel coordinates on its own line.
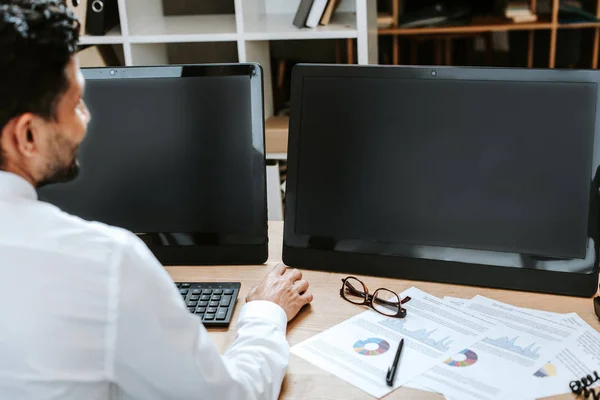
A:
(422, 335)
(531, 351)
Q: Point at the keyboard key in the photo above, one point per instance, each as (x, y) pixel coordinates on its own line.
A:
(211, 310)
(218, 291)
(229, 291)
(207, 291)
(185, 285)
(205, 297)
(192, 303)
(191, 309)
(200, 310)
(177, 284)
(203, 304)
(197, 291)
(222, 313)
(209, 317)
(214, 304)
(183, 292)
(216, 298)
(226, 301)
(194, 298)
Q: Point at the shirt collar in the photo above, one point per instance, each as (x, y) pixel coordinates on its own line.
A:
(12, 185)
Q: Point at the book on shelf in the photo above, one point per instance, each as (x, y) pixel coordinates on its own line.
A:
(525, 18)
(302, 13)
(316, 13)
(384, 20)
(519, 12)
(329, 10)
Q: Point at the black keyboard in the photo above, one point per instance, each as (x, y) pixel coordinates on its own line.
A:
(212, 302)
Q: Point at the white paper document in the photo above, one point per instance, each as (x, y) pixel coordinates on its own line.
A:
(361, 349)
(508, 357)
(580, 357)
(489, 368)
(545, 328)
(456, 301)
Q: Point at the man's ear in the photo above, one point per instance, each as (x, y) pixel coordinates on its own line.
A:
(26, 135)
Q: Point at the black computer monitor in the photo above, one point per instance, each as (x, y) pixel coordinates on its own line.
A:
(176, 155)
(482, 176)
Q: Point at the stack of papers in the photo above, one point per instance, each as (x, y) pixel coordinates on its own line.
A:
(464, 349)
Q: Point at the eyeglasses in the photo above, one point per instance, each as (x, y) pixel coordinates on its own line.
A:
(384, 301)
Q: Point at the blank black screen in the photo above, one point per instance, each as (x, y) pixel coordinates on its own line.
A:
(167, 155)
(489, 165)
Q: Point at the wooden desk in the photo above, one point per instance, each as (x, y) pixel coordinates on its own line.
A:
(304, 380)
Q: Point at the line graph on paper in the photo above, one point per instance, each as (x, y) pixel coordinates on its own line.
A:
(506, 343)
(422, 335)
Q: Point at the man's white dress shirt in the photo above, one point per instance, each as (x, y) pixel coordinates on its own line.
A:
(88, 313)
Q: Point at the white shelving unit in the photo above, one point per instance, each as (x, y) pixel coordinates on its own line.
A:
(114, 36)
(147, 36)
(145, 32)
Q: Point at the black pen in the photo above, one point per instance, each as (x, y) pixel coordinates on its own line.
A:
(389, 378)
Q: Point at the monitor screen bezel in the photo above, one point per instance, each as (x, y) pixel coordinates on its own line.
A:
(321, 253)
(201, 249)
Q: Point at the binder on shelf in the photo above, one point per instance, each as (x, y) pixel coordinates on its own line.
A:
(102, 16)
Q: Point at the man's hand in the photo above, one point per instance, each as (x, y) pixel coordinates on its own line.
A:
(285, 288)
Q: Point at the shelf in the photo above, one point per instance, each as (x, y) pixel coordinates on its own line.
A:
(280, 27)
(179, 29)
(478, 25)
(579, 25)
(111, 37)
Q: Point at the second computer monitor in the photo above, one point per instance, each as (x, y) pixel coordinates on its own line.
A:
(469, 175)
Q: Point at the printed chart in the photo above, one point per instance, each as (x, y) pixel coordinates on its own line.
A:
(463, 359)
(530, 351)
(371, 347)
(547, 370)
(422, 335)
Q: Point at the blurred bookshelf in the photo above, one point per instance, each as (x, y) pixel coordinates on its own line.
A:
(543, 26)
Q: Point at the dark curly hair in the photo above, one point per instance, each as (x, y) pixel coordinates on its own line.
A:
(37, 40)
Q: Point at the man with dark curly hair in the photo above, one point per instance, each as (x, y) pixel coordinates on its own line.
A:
(86, 311)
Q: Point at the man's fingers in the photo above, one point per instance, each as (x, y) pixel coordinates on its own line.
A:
(279, 269)
(250, 293)
(306, 298)
(294, 275)
(301, 285)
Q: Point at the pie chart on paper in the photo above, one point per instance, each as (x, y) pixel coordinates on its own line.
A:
(547, 370)
(371, 347)
(463, 359)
